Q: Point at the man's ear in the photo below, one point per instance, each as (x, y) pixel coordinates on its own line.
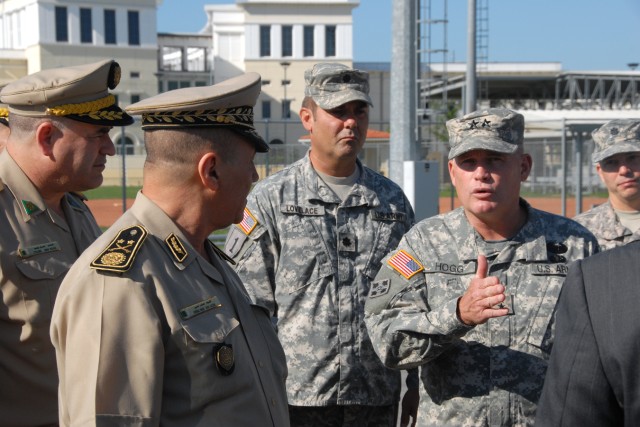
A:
(208, 170)
(306, 116)
(45, 137)
(525, 166)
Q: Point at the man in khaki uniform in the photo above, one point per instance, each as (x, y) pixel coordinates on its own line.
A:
(60, 121)
(151, 326)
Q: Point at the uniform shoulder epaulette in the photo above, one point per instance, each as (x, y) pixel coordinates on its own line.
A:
(122, 250)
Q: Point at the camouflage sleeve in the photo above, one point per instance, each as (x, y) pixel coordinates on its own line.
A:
(404, 330)
(252, 247)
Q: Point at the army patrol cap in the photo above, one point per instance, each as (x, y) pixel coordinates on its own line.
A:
(331, 85)
(228, 104)
(616, 136)
(4, 112)
(79, 93)
(496, 129)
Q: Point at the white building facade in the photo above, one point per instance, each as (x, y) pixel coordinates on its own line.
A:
(40, 34)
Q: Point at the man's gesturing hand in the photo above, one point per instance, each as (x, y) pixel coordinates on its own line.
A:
(476, 306)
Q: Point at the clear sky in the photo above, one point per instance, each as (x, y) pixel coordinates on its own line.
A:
(581, 34)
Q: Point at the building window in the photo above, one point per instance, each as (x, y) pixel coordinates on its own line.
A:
(172, 84)
(134, 74)
(197, 59)
(135, 98)
(62, 26)
(133, 19)
(265, 40)
(185, 83)
(286, 109)
(308, 40)
(266, 109)
(330, 40)
(287, 40)
(86, 27)
(171, 58)
(124, 144)
(109, 26)
(200, 83)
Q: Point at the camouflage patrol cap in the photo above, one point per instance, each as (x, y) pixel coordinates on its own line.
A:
(616, 136)
(331, 85)
(79, 93)
(228, 104)
(496, 129)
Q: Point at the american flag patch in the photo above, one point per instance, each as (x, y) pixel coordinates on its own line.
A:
(248, 222)
(405, 264)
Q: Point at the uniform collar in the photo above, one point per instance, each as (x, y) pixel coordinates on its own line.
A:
(532, 245)
(158, 224)
(361, 194)
(174, 243)
(23, 190)
(612, 228)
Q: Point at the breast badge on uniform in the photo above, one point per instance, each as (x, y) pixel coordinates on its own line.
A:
(405, 264)
(225, 361)
(122, 250)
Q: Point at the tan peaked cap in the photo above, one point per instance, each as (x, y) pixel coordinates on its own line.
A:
(227, 104)
(78, 92)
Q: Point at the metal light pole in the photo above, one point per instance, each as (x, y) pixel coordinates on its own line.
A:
(285, 104)
(470, 93)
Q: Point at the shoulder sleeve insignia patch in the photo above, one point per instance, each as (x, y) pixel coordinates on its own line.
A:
(176, 247)
(405, 264)
(248, 223)
(122, 250)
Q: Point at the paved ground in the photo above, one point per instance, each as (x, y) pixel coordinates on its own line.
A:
(107, 211)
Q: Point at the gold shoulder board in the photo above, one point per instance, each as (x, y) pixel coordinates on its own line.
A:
(122, 250)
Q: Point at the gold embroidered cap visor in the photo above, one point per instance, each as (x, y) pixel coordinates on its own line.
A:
(79, 93)
(4, 114)
(227, 104)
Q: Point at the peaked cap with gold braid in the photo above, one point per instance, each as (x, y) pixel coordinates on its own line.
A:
(227, 104)
(80, 93)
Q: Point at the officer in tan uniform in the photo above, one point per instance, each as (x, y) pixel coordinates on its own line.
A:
(60, 121)
(151, 326)
(4, 124)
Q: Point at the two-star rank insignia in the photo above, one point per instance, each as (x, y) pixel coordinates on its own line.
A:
(122, 250)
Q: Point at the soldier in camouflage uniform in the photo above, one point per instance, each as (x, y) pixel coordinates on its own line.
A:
(470, 296)
(311, 241)
(617, 159)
